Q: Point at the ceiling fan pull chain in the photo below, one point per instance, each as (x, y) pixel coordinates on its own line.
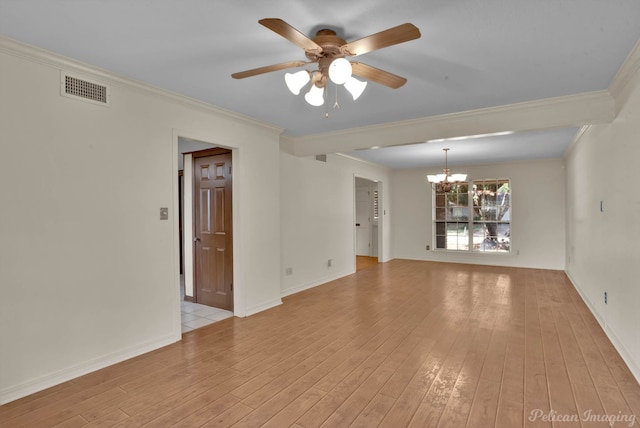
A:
(326, 105)
(336, 105)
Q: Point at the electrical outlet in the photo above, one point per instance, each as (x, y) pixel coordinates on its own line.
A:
(164, 213)
(288, 271)
(606, 298)
(329, 262)
(428, 247)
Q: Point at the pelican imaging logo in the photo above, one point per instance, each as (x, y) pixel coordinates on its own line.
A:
(617, 419)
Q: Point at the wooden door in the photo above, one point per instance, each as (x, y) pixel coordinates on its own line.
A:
(213, 240)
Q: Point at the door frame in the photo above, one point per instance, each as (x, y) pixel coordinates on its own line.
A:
(239, 300)
(381, 215)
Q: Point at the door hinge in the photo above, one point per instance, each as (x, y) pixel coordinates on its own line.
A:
(229, 170)
(232, 286)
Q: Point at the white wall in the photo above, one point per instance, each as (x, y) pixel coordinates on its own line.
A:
(318, 217)
(88, 272)
(602, 246)
(537, 221)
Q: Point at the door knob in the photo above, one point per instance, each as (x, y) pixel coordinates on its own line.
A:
(196, 239)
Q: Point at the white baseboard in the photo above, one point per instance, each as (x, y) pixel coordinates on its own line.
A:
(622, 350)
(262, 307)
(299, 288)
(35, 385)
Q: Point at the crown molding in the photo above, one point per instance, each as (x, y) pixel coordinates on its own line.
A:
(568, 111)
(576, 138)
(627, 77)
(50, 59)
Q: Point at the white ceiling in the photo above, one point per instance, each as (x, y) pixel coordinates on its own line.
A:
(471, 55)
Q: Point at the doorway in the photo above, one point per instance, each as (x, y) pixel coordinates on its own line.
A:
(367, 222)
(195, 308)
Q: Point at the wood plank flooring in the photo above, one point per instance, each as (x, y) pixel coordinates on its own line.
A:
(403, 343)
(363, 262)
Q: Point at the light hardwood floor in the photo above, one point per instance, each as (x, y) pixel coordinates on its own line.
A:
(363, 262)
(403, 343)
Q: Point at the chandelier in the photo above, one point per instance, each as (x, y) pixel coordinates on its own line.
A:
(443, 182)
(338, 71)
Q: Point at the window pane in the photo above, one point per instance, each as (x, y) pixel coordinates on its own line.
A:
(495, 237)
(441, 235)
(457, 237)
(459, 213)
(463, 199)
(488, 213)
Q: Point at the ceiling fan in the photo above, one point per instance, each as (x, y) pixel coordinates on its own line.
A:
(330, 52)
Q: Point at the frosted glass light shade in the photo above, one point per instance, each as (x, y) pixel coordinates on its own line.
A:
(340, 71)
(315, 96)
(438, 178)
(457, 177)
(355, 87)
(295, 81)
(441, 178)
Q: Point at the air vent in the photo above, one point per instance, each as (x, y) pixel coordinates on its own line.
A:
(83, 89)
(321, 158)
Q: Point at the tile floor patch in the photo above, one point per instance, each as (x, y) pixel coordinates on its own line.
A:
(195, 315)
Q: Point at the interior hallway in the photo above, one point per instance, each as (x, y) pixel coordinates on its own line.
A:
(363, 262)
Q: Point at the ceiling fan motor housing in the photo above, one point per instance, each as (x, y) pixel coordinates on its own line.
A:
(331, 46)
(330, 43)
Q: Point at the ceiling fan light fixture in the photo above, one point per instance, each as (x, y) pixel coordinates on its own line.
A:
(296, 81)
(315, 96)
(355, 87)
(340, 71)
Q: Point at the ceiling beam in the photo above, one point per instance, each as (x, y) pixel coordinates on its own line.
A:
(569, 111)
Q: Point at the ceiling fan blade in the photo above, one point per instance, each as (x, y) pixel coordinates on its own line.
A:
(379, 76)
(392, 36)
(268, 69)
(288, 32)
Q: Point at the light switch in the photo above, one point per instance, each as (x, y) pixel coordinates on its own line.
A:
(164, 213)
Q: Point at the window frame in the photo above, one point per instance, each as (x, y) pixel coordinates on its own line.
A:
(467, 219)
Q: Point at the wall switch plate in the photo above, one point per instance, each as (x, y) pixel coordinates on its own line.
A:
(164, 213)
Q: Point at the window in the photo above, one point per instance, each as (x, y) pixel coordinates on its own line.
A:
(375, 205)
(474, 216)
